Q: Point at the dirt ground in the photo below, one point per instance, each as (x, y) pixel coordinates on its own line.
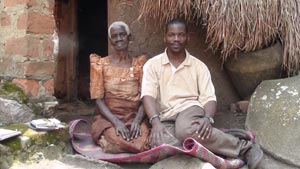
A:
(227, 117)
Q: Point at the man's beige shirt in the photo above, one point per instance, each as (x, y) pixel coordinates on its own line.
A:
(190, 84)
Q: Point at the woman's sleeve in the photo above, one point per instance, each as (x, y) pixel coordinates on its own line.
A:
(96, 77)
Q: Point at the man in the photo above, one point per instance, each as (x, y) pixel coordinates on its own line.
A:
(179, 99)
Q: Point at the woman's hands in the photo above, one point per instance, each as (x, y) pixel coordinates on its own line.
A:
(121, 129)
(125, 132)
(135, 129)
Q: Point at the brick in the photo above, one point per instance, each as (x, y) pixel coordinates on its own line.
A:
(16, 46)
(48, 47)
(33, 44)
(26, 46)
(22, 21)
(13, 3)
(49, 87)
(5, 19)
(30, 87)
(35, 22)
(39, 70)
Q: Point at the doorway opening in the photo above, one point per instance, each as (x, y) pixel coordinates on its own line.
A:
(92, 38)
(82, 30)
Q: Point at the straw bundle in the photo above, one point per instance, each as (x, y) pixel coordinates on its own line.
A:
(238, 25)
(290, 34)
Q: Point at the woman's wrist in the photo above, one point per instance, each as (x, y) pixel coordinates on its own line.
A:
(137, 120)
(115, 121)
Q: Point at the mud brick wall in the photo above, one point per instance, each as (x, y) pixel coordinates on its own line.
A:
(27, 45)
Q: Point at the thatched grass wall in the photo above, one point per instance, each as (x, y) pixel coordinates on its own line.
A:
(238, 25)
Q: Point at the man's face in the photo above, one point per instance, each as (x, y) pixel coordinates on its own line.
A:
(176, 38)
(119, 38)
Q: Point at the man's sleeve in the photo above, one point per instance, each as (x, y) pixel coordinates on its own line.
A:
(206, 87)
(150, 80)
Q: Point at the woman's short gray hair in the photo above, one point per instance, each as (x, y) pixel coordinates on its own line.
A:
(118, 23)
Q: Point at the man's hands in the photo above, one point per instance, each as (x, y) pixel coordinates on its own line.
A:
(205, 128)
(157, 133)
(158, 130)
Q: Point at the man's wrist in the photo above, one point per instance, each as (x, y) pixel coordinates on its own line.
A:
(210, 119)
(156, 116)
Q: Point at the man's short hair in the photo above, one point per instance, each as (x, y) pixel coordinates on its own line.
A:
(176, 21)
(118, 23)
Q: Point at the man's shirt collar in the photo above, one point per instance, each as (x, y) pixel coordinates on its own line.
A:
(186, 62)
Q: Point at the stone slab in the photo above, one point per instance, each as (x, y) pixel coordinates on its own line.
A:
(274, 116)
(182, 161)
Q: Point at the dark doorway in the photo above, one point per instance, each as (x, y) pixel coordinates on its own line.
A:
(92, 38)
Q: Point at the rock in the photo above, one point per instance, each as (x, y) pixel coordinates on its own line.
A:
(25, 142)
(43, 106)
(182, 161)
(274, 116)
(12, 111)
(11, 91)
(33, 145)
(16, 108)
(269, 162)
(67, 162)
(249, 69)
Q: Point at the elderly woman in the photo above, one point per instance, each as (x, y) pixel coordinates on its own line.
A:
(116, 84)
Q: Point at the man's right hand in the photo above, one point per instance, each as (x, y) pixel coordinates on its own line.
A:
(157, 133)
(158, 130)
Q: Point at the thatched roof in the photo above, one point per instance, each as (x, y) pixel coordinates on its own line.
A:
(238, 25)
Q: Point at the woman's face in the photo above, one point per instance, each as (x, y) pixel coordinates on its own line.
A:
(119, 38)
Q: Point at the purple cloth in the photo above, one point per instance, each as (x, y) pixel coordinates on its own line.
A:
(82, 142)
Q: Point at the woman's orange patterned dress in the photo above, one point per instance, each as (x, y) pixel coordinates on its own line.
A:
(120, 88)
